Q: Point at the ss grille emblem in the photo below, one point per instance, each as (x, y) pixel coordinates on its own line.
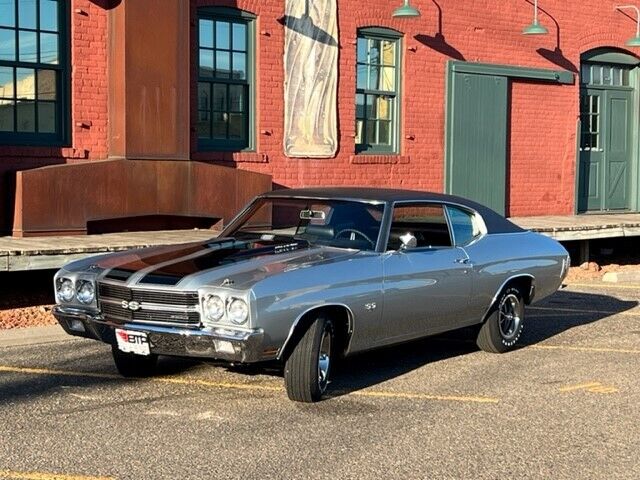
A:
(133, 306)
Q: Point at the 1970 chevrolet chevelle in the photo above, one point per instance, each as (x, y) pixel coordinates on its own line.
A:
(306, 275)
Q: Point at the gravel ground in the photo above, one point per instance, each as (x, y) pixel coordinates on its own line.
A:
(26, 299)
(606, 255)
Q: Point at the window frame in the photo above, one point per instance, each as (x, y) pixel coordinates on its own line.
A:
(62, 136)
(474, 223)
(238, 16)
(419, 203)
(379, 33)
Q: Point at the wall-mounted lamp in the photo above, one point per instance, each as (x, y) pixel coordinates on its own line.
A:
(634, 41)
(535, 28)
(406, 11)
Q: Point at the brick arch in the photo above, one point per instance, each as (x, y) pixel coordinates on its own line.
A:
(601, 38)
(611, 49)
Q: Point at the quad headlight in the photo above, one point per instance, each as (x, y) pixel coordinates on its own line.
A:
(85, 291)
(69, 290)
(238, 311)
(220, 307)
(65, 290)
(213, 307)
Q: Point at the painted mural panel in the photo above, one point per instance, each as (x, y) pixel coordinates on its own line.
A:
(311, 78)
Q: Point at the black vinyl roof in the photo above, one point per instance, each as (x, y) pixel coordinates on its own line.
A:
(495, 223)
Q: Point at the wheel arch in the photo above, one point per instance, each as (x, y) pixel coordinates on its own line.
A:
(341, 316)
(527, 284)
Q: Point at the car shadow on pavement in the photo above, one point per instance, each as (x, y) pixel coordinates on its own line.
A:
(86, 366)
(78, 372)
(559, 313)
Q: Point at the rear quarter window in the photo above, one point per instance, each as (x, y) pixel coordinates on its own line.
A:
(463, 225)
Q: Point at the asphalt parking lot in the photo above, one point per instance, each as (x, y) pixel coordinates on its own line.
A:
(564, 405)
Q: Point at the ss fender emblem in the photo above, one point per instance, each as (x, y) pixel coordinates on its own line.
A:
(133, 306)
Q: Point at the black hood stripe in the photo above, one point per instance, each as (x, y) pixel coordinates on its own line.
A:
(145, 259)
(173, 273)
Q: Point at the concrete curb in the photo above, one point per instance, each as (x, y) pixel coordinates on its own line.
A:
(622, 277)
(18, 337)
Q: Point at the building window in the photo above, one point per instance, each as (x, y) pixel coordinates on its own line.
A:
(605, 75)
(378, 91)
(33, 72)
(225, 79)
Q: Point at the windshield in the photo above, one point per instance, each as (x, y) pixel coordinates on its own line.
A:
(336, 223)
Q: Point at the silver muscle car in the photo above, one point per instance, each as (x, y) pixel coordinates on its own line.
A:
(304, 276)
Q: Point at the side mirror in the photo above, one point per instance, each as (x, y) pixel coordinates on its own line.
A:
(408, 241)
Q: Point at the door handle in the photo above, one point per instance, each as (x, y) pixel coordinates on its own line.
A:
(464, 261)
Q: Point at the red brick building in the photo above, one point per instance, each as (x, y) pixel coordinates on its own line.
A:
(137, 105)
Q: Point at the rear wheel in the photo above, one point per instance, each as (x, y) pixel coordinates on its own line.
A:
(504, 326)
(307, 370)
(132, 365)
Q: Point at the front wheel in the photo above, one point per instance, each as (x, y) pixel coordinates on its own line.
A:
(306, 371)
(132, 365)
(504, 326)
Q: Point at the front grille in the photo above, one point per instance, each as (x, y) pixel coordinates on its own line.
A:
(155, 307)
(119, 292)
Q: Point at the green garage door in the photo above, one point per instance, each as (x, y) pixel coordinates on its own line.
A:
(477, 129)
(477, 150)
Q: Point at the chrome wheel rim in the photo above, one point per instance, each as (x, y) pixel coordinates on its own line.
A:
(324, 359)
(510, 318)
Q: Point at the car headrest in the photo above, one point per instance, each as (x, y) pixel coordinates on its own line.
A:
(394, 242)
(320, 231)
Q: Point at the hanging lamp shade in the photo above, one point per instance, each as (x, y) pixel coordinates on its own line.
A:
(406, 10)
(633, 42)
(535, 28)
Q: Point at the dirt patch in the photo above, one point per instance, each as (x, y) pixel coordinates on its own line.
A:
(26, 317)
(26, 299)
(595, 271)
(606, 255)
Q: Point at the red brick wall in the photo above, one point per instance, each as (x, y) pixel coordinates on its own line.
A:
(543, 128)
(89, 105)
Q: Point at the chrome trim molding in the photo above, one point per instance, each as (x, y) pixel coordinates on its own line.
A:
(350, 326)
(497, 294)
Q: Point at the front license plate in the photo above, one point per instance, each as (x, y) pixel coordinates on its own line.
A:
(133, 342)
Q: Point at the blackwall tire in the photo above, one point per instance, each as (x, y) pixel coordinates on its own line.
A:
(131, 365)
(501, 331)
(308, 368)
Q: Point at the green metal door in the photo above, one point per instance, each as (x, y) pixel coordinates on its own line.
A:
(606, 139)
(477, 147)
(618, 149)
(591, 150)
(605, 149)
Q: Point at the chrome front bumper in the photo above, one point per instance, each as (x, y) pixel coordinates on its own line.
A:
(243, 346)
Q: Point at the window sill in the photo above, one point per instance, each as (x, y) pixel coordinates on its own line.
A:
(235, 157)
(380, 159)
(44, 151)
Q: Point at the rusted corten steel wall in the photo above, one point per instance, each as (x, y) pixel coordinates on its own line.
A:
(542, 140)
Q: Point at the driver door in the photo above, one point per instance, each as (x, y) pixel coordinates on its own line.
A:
(427, 288)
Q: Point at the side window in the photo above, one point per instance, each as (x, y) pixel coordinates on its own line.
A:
(378, 90)
(427, 223)
(463, 225)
